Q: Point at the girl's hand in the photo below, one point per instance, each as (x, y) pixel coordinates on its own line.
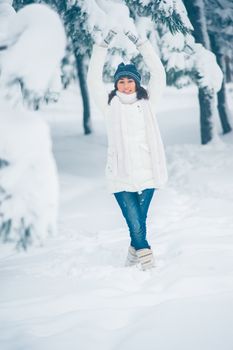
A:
(134, 38)
(110, 36)
(104, 41)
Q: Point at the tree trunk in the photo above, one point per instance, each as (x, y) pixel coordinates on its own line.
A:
(196, 15)
(84, 92)
(229, 69)
(223, 109)
(206, 103)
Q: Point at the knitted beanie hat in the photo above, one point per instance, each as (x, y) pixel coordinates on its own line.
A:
(127, 70)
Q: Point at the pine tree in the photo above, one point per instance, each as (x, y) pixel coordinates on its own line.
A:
(220, 30)
(206, 96)
(197, 14)
(75, 20)
(28, 175)
(177, 57)
(170, 21)
(169, 12)
(170, 17)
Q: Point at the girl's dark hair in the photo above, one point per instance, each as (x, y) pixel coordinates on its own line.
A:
(141, 93)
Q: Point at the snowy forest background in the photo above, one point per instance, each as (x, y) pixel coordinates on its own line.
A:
(63, 240)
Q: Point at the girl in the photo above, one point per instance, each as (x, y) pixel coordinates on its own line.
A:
(136, 164)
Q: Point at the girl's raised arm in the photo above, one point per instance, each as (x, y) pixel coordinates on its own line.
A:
(157, 81)
(95, 71)
(95, 77)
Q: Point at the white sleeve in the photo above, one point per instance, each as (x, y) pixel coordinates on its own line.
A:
(157, 81)
(95, 83)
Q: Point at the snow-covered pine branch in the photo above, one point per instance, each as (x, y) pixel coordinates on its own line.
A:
(40, 43)
(6, 12)
(209, 73)
(178, 57)
(170, 12)
(186, 62)
(28, 175)
(28, 179)
(220, 30)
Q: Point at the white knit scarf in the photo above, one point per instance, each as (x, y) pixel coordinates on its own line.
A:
(152, 133)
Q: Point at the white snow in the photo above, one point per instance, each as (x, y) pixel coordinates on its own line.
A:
(29, 181)
(167, 7)
(181, 10)
(206, 65)
(75, 293)
(177, 52)
(28, 177)
(9, 2)
(100, 11)
(36, 55)
(6, 12)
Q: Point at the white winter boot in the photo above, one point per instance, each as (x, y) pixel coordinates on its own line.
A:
(132, 258)
(145, 258)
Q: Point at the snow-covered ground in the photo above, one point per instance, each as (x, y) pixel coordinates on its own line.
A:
(75, 293)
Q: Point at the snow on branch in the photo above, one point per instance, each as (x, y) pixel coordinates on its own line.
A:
(28, 179)
(170, 12)
(34, 41)
(35, 47)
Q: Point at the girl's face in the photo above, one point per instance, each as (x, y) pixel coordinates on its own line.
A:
(126, 85)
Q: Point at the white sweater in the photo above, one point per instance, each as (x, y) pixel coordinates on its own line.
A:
(125, 120)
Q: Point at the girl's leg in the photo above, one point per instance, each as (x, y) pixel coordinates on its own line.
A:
(130, 207)
(144, 199)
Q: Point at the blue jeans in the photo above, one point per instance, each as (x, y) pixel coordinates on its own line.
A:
(134, 207)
